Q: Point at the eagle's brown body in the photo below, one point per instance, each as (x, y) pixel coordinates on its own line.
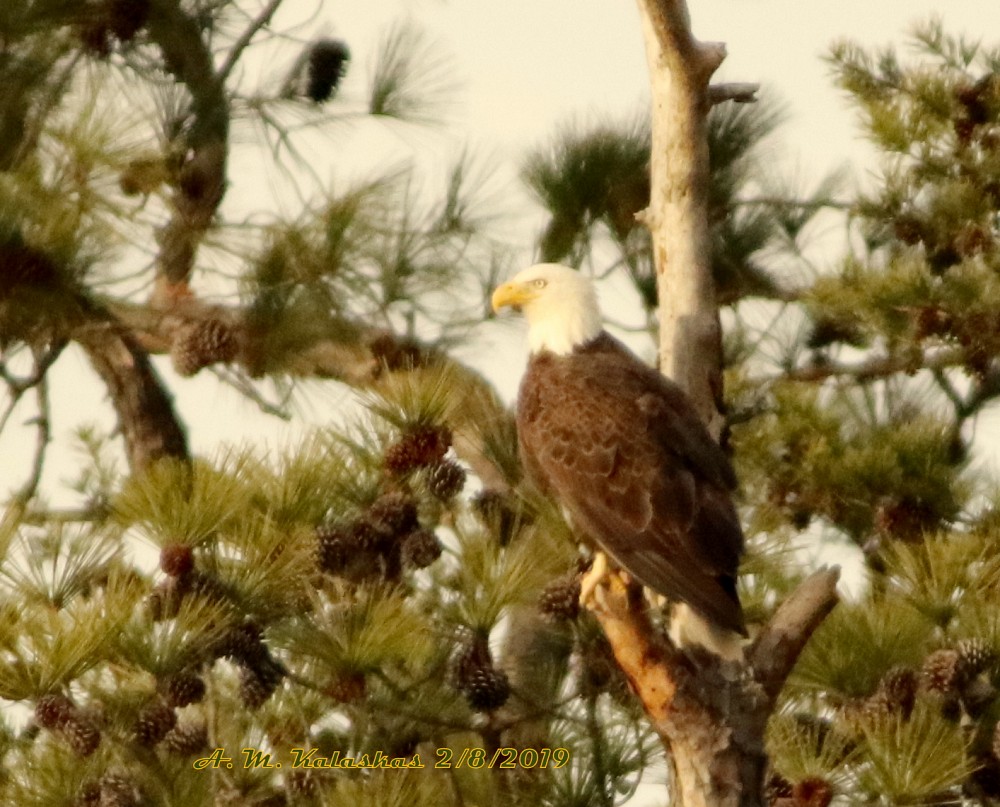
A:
(623, 451)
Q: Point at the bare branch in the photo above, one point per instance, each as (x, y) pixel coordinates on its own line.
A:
(878, 366)
(776, 649)
(671, 25)
(741, 93)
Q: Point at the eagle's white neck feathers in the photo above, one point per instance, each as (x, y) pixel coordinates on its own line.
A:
(563, 313)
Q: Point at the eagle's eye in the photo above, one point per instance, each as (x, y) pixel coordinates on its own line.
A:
(538, 284)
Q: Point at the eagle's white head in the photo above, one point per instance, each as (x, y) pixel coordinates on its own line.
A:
(559, 303)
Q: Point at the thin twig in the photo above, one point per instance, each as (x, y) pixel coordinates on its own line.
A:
(42, 440)
(244, 40)
(244, 387)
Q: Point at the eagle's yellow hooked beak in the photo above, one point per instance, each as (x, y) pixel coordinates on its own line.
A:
(513, 295)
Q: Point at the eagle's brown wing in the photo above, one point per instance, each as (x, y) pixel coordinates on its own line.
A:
(624, 453)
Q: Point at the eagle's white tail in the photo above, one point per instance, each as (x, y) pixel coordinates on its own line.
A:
(688, 627)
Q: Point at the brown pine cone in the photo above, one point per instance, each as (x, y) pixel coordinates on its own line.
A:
(445, 480)
(485, 687)
(201, 343)
(420, 549)
(186, 739)
(560, 600)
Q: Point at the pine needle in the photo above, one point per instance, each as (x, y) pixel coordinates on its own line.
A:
(913, 761)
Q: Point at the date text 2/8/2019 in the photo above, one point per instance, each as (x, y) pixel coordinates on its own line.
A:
(502, 758)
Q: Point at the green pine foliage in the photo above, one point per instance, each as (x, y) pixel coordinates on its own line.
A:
(283, 653)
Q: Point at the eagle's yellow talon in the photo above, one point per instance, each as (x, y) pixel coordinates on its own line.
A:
(591, 580)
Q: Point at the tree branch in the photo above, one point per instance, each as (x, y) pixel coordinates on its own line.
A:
(650, 666)
(359, 361)
(149, 425)
(43, 437)
(777, 647)
(202, 177)
(878, 366)
(741, 93)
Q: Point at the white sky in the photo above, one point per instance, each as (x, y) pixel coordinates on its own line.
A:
(522, 67)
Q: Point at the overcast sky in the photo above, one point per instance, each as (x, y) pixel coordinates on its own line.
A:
(520, 68)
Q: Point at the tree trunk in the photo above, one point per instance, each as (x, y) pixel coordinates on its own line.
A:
(680, 67)
(711, 714)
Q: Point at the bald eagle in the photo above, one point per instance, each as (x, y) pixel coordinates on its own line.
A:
(622, 450)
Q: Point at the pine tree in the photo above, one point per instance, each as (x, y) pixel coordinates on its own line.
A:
(388, 586)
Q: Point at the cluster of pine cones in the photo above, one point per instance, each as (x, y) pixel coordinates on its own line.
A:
(387, 537)
(959, 679)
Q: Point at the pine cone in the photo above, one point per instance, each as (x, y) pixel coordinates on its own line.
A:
(812, 792)
(973, 239)
(186, 739)
(201, 343)
(932, 320)
(420, 549)
(940, 672)
(348, 688)
(54, 710)
(176, 560)
(119, 790)
(445, 480)
(327, 62)
(560, 600)
(243, 643)
(155, 720)
(494, 510)
(905, 518)
(334, 549)
(485, 687)
(974, 657)
(184, 688)
(258, 681)
(81, 734)
(393, 515)
(896, 694)
(777, 787)
(597, 669)
(418, 448)
(24, 265)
